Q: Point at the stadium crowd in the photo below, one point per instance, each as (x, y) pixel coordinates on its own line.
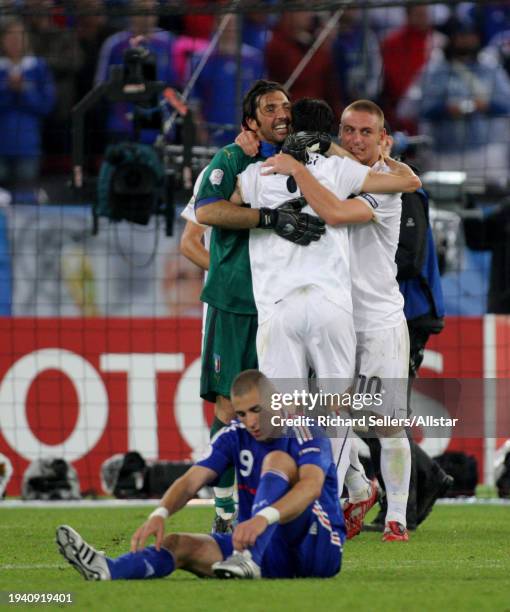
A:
(434, 69)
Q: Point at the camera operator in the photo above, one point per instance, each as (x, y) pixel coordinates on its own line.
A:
(143, 34)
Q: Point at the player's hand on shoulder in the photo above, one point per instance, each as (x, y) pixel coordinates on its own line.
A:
(154, 526)
(248, 142)
(246, 533)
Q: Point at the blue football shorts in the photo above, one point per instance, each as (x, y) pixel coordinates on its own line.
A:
(307, 547)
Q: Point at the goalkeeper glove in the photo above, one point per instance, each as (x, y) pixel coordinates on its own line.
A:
(299, 144)
(300, 228)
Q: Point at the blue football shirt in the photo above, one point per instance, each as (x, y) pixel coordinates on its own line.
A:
(234, 445)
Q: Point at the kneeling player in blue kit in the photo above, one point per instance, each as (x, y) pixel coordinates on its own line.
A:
(290, 521)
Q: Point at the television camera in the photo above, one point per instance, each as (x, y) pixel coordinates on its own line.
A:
(137, 181)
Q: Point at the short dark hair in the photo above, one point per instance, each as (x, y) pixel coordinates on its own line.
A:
(252, 97)
(311, 115)
(253, 379)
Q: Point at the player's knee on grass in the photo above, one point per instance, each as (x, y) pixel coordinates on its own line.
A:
(281, 462)
(223, 409)
(193, 552)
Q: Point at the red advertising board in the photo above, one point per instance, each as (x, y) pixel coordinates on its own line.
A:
(88, 388)
(458, 352)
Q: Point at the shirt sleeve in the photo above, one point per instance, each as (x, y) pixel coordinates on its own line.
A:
(249, 182)
(220, 453)
(189, 211)
(219, 180)
(384, 205)
(316, 451)
(348, 175)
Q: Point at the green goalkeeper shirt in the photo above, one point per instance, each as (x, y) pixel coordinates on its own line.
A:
(229, 285)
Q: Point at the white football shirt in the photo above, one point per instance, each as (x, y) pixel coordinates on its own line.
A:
(189, 214)
(279, 266)
(376, 298)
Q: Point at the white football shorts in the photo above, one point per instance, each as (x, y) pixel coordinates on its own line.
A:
(308, 330)
(382, 366)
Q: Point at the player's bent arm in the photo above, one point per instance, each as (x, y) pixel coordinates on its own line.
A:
(227, 215)
(185, 487)
(192, 246)
(248, 142)
(325, 203)
(175, 498)
(306, 490)
(387, 182)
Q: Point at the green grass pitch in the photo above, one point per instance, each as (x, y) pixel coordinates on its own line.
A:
(458, 560)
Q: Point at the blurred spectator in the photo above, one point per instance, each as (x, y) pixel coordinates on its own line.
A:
(256, 26)
(257, 29)
(256, 33)
(142, 32)
(119, 21)
(27, 94)
(171, 23)
(90, 32)
(491, 18)
(198, 25)
(387, 19)
(184, 49)
(215, 91)
(59, 48)
(357, 58)
(292, 37)
(494, 21)
(499, 49)
(405, 51)
(463, 101)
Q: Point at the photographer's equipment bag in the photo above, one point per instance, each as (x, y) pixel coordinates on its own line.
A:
(464, 470)
(131, 184)
(129, 476)
(50, 478)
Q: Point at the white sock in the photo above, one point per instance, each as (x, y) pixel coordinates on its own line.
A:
(396, 472)
(356, 480)
(222, 493)
(341, 446)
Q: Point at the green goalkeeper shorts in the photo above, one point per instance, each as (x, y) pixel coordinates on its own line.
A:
(229, 348)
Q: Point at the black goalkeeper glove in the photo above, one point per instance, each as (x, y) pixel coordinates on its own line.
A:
(300, 228)
(296, 204)
(299, 144)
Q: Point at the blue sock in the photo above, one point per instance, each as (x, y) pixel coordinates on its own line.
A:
(146, 563)
(272, 486)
